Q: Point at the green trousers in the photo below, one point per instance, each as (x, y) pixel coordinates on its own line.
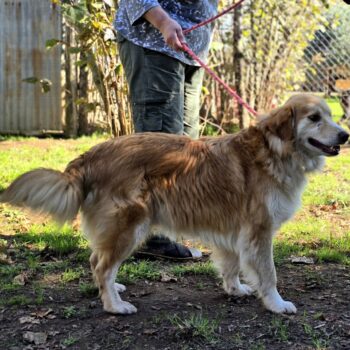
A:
(164, 92)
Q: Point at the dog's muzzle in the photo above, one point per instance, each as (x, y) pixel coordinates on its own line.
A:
(331, 150)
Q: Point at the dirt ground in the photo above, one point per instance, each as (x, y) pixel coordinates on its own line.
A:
(165, 311)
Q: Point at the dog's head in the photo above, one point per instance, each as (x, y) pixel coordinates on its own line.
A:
(304, 123)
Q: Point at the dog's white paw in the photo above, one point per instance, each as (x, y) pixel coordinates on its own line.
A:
(285, 307)
(120, 307)
(119, 287)
(244, 289)
(238, 290)
(277, 305)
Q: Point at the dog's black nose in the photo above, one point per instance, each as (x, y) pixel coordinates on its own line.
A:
(343, 137)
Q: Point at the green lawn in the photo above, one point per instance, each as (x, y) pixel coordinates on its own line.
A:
(334, 105)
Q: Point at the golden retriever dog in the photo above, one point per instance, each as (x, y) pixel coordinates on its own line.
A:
(232, 192)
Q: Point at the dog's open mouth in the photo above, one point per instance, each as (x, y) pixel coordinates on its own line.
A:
(331, 150)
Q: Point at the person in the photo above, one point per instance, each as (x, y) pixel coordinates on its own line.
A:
(164, 82)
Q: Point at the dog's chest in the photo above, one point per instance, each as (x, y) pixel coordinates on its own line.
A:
(282, 206)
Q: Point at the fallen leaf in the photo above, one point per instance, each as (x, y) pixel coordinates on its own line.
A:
(20, 279)
(301, 260)
(194, 305)
(155, 308)
(53, 333)
(35, 337)
(42, 313)
(167, 278)
(4, 259)
(28, 319)
(150, 331)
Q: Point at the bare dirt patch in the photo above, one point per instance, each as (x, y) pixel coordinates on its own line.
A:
(171, 314)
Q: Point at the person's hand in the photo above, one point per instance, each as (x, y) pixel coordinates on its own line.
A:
(172, 33)
(170, 29)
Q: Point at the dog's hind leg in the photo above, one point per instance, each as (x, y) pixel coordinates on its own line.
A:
(110, 257)
(93, 263)
(228, 264)
(258, 265)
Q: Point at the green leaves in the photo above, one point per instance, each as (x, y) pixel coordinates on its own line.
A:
(52, 43)
(45, 84)
(30, 80)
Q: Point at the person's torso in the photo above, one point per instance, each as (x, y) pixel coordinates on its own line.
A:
(131, 26)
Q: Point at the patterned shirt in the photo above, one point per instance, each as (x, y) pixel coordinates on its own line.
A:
(131, 25)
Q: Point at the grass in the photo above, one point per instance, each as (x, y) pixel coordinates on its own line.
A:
(201, 268)
(318, 341)
(88, 290)
(72, 274)
(132, 271)
(279, 328)
(21, 156)
(69, 312)
(19, 300)
(71, 340)
(334, 105)
(321, 228)
(196, 325)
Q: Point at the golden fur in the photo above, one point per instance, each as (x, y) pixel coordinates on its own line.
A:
(233, 192)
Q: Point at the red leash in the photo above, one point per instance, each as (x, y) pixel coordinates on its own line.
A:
(212, 19)
(185, 47)
(232, 92)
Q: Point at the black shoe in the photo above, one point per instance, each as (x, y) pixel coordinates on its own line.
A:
(161, 247)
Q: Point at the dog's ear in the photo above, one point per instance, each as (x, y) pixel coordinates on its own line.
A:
(280, 122)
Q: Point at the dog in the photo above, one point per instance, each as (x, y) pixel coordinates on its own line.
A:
(232, 192)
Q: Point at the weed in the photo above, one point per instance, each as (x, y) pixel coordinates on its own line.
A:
(10, 271)
(126, 342)
(33, 262)
(196, 325)
(18, 300)
(54, 266)
(88, 289)
(200, 286)
(237, 339)
(69, 311)
(69, 341)
(330, 255)
(317, 341)
(202, 268)
(10, 287)
(133, 271)
(279, 329)
(82, 255)
(257, 346)
(39, 293)
(60, 241)
(72, 275)
(157, 320)
(3, 244)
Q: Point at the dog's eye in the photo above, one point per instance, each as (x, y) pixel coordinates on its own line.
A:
(315, 118)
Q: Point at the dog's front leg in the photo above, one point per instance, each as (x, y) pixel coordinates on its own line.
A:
(228, 264)
(258, 265)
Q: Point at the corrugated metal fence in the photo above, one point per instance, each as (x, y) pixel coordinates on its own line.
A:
(25, 25)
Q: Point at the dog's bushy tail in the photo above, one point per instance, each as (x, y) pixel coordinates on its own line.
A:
(59, 194)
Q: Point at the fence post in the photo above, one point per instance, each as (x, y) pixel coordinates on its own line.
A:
(70, 86)
(237, 61)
